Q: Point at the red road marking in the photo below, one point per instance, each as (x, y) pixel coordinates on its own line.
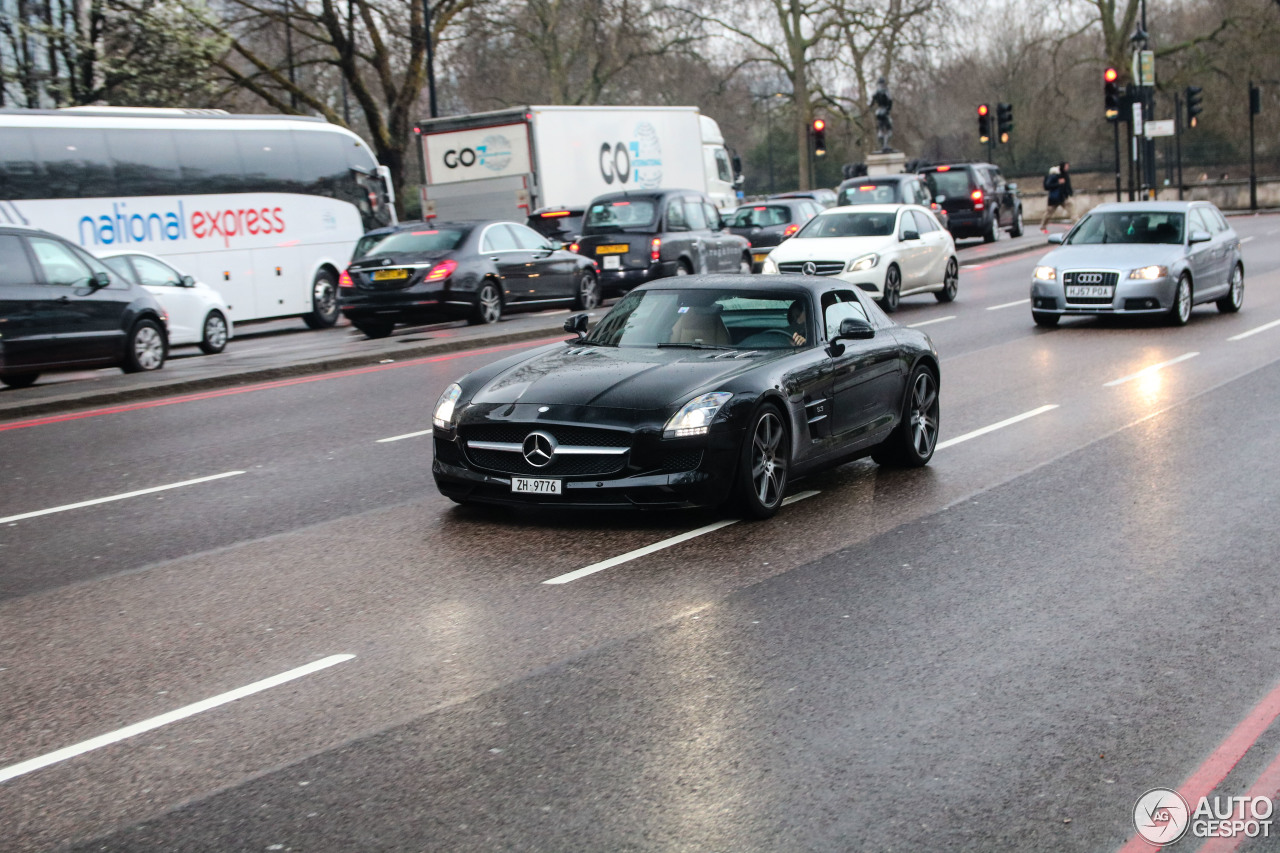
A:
(1216, 767)
(1268, 785)
(264, 386)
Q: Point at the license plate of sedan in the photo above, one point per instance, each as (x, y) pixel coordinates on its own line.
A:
(527, 485)
(390, 275)
(1088, 290)
(612, 262)
(615, 249)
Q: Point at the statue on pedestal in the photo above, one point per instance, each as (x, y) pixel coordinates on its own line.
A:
(882, 101)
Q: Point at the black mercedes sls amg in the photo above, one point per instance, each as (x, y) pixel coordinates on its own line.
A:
(693, 392)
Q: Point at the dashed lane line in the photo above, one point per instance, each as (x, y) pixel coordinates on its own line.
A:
(951, 442)
(1255, 331)
(406, 435)
(121, 497)
(931, 322)
(1009, 304)
(1148, 370)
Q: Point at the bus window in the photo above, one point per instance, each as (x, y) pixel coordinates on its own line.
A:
(76, 162)
(20, 173)
(322, 162)
(270, 162)
(146, 162)
(209, 164)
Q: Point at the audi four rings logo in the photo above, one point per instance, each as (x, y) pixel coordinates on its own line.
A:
(809, 268)
(538, 449)
(1089, 278)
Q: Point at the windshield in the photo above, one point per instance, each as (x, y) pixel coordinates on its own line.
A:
(850, 225)
(951, 183)
(412, 242)
(562, 226)
(722, 319)
(1143, 226)
(760, 216)
(635, 214)
(869, 194)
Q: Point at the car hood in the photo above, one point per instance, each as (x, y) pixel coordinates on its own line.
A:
(1119, 256)
(822, 248)
(617, 377)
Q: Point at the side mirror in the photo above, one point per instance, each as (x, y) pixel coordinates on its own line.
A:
(99, 280)
(856, 329)
(737, 168)
(187, 281)
(1200, 237)
(1057, 238)
(909, 235)
(577, 325)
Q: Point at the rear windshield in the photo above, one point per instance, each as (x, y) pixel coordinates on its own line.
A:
(410, 242)
(1128, 227)
(951, 183)
(850, 225)
(869, 193)
(556, 225)
(761, 216)
(632, 214)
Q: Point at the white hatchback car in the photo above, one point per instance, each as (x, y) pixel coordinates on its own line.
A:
(197, 312)
(887, 250)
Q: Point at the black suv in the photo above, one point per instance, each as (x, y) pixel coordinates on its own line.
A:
(767, 224)
(559, 223)
(636, 237)
(908, 188)
(977, 199)
(62, 309)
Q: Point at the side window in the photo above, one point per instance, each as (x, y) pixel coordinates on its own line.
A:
(839, 305)
(675, 215)
(21, 175)
(155, 273)
(270, 161)
(15, 268)
(60, 264)
(909, 193)
(96, 265)
(210, 162)
(1216, 216)
(76, 162)
(924, 222)
(697, 217)
(1198, 222)
(713, 216)
(120, 268)
(527, 238)
(498, 239)
(723, 170)
(905, 223)
(146, 162)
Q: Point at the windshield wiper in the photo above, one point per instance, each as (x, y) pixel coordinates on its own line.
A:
(694, 345)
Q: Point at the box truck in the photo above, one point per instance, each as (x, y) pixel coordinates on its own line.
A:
(507, 163)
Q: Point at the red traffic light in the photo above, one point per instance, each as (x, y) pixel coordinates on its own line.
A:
(983, 109)
(1110, 75)
(819, 124)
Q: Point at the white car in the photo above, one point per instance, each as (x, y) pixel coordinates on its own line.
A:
(197, 312)
(887, 250)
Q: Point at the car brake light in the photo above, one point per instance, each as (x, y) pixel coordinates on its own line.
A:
(868, 188)
(976, 195)
(444, 269)
(759, 208)
(944, 168)
(655, 249)
(573, 247)
(791, 229)
(555, 213)
(344, 280)
(421, 233)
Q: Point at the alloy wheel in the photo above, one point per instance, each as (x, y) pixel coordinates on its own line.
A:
(324, 296)
(588, 292)
(768, 460)
(215, 331)
(490, 304)
(148, 348)
(924, 414)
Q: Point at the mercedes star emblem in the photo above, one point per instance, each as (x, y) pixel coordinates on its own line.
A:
(538, 449)
(809, 268)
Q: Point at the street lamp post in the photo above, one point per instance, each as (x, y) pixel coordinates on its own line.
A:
(431, 58)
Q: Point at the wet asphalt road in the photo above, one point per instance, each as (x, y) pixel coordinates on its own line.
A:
(998, 652)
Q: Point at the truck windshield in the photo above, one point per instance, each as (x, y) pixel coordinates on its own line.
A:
(632, 214)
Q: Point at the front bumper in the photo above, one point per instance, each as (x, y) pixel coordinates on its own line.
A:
(1131, 296)
(407, 304)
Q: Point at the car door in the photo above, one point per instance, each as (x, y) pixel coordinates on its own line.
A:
(1203, 256)
(1220, 254)
(866, 377)
(679, 239)
(936, 245)
(184, 305)
(550, 272)
(27, 324)
(86, 323)
(701, 242)
(912, 254)
(726, 246)
(499, 245)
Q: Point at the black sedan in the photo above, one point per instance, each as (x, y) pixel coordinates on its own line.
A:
(767, 224)
(475, 270)
(691, 393)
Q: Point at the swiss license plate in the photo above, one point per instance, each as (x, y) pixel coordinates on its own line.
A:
(612, 262)
(1088, 290)
(528, 485)
(390, 275)
(615, 249)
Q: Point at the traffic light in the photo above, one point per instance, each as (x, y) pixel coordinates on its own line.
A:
(1111, 89)
(819, 137)
(984, 123)
(1194, 106)
(1004, 121)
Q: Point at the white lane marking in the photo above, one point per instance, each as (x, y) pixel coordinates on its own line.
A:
(930, 322)
(406, 435)
(14, 770)
(1146, 371)
(1261, 328)
(1273, 231)
(1244, 240)
(658, 546)
(135, 494)
(1009, 304)
(993, 427)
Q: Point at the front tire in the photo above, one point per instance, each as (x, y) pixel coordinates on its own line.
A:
(20, 380)
(1016, 229)
(992, 233)
(913, 440)
(488, 307)
(762, 468)
(1180, 312)
(1232, 302)
(145, 350)
(324, 302)
(587, 293)
(950, 282)
(892, 289)
(215, 334)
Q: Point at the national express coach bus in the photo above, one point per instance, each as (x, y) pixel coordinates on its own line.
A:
(265, 209)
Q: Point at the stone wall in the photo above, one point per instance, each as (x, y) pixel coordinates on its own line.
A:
(1227, 195)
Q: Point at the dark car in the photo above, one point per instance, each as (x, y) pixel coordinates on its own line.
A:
(475, 270)
(563, 224)
(908, 188)
(715, 388)
(977, 199)
(823, 196)
(371, 238)
(636, 237)
(62, 309)
(767, 224)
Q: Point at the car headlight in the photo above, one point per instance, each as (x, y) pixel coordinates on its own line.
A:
(1149, 273)
(769, 266)
(443, 415)
(695, 416)
(1045, 274)
(865, 262)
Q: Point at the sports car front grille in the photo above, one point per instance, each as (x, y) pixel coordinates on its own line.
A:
(681, 460)
(512, 461)
(505, 462)
(516, 433)
(819, 267)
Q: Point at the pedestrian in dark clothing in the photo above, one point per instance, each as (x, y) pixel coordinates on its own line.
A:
(1058, 183)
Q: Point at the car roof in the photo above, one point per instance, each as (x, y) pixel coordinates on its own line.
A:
(747, 284)
(868, 208)
(880, 179)
(625, 194)
(116, 253)
(1151, 206)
